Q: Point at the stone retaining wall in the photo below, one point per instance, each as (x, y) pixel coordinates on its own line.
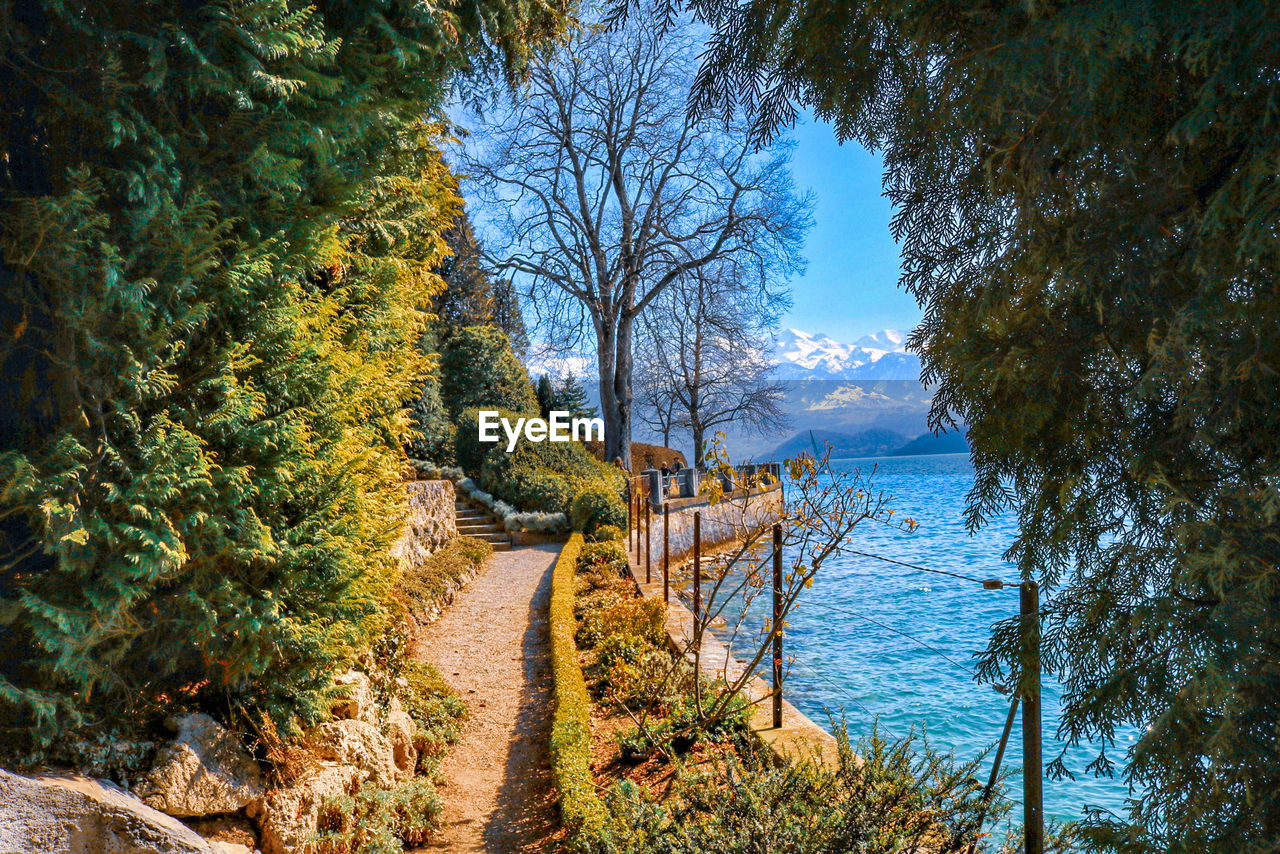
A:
(432, 520)
(721, 523)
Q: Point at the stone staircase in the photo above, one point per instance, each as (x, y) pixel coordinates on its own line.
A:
(478, 522)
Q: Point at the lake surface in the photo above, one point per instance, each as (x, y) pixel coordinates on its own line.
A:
(846, 664)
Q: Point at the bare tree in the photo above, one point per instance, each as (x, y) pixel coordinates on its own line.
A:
(655, 393)
(606, 193)
(706, 341)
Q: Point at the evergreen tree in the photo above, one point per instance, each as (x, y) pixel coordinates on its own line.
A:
(481, 372)
(508, 316)
(546, 395)
(467, 297)
(571, 397)
(1088, 212)
(218, 224)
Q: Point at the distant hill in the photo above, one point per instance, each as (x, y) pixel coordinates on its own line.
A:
(866, 443)
(947, 443)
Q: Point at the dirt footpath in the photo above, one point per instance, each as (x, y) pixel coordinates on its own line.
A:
(491, 645)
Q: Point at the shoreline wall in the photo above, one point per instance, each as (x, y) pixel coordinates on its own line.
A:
(721, 522)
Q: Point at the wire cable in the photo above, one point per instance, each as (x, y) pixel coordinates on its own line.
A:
(987, 583)
(909, 637)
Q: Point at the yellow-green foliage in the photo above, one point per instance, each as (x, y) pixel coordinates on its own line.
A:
(581, 810)
(436, 709)
(604, 533)
(378, 821)
(218, 227)
(633, 616)
(423, 585)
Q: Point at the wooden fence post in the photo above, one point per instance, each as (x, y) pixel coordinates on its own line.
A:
(777, 626)
(666, 553)
(697, 579)
(1032, 760)
(648, 523)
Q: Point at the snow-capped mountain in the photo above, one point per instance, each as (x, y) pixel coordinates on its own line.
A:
(879, 356)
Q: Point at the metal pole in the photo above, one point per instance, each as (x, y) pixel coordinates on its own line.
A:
(666, 553)
(1032, 767)
(630, 504)
(648, 523)
(777, 626)
(697, 579)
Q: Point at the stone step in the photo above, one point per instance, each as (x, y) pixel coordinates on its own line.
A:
(502, 547)
(471, 514)
(494, 537)
(477, 530)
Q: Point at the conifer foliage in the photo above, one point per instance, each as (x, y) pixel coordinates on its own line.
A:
(1088, 207)
(218, 224)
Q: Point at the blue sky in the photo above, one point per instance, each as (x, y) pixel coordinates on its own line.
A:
(850, 287)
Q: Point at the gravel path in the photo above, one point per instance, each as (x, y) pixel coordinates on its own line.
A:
(491, 647)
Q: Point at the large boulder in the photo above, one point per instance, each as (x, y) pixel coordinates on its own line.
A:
(357, 743)
(204, 771)
(286, 817)
(56, 814)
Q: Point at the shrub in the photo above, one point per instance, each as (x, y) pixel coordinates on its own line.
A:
(437, 711)
(886, 799)
(608, 533)
(423, 585)
(597, 505)
(636, 616)
(536, 476)
(531, 488)
(621, 649)
(655, 681)
(603, 556)
(581, 811)
(378, 821)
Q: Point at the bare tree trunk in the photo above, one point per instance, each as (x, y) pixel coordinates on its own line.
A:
(622, 386)
(610, 405)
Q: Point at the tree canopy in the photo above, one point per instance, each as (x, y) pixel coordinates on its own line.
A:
(1089, 214)
(600, 191)
(218, 224)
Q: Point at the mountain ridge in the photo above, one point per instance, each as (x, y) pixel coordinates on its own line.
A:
(881, 355)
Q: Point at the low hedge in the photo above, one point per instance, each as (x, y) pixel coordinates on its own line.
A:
(581, 811)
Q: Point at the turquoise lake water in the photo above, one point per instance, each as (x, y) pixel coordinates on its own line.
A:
(846, 664)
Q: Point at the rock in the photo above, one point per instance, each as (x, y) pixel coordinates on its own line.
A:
(399, 730)
(229, 848)
(57, 814)
(286, 817)
(226, 829)
(357, 743)
(354, 699)
(204, 771)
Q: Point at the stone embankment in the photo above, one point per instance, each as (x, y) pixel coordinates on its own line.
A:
(206, 778)
(202, 792)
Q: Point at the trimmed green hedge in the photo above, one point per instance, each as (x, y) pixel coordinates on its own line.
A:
(581, 811)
